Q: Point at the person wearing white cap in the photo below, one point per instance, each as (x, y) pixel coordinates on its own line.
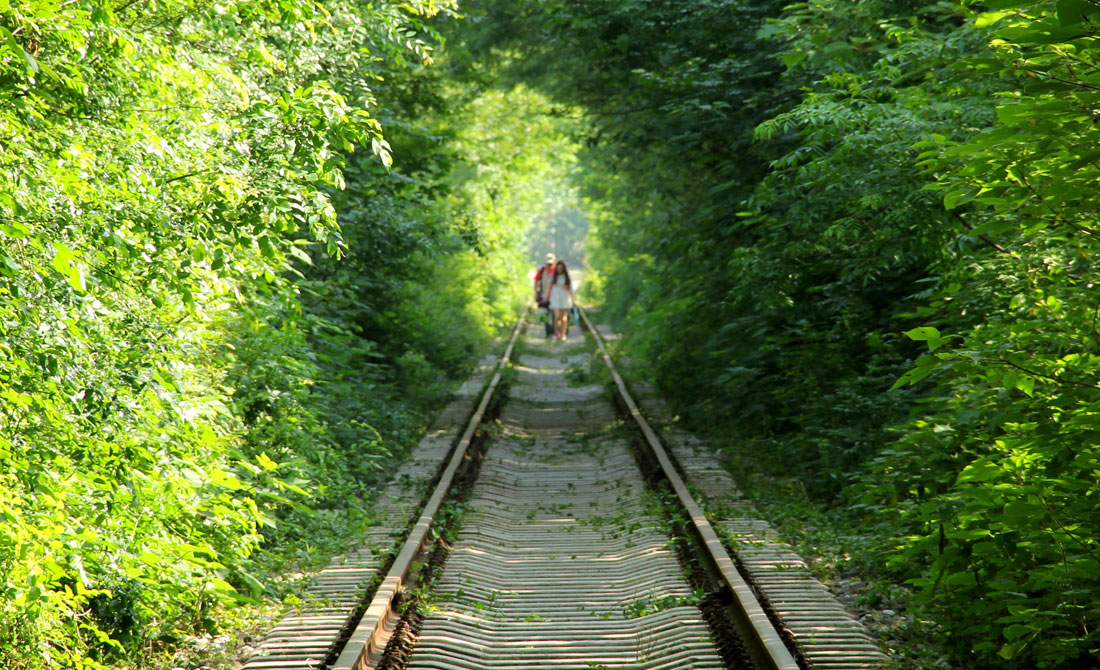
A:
(544, 277)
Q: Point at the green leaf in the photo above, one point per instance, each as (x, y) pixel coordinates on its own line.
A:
(1026, 384)
(1017, 631)
(266, 463)
(65, 262)
(9, 37)
(76, 278)
(1073, 12)
(14, 229)
(8, 266)
(994, 227)
(62, 258)
(958, 197)
(961, 579)
(382, 149)
(981, 470)
(1008, 4)
(792, 58)
(300, 254)
(989, 18)
(255, 586)
(31, 61)
(926, 334)
(925, 366)
(1009, 651)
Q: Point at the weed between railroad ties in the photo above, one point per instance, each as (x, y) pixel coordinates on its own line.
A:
(653, 603)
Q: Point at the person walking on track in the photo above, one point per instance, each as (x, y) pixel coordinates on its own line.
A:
(561, 299)
(544, 277)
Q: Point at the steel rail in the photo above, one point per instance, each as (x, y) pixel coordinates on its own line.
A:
(562, 560)
(763, 641)
(364, 647)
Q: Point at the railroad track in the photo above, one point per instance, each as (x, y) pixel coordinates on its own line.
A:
(550, 547)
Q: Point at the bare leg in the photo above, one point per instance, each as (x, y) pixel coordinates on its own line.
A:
(561, 322)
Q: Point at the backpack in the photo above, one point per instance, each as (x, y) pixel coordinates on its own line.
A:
(540, 300)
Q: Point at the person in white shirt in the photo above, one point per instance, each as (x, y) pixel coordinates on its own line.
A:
(560, 299)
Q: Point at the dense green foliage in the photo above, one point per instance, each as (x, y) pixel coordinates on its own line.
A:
(219, 311)
(793, 201)
(857, 237)
(1015, 537)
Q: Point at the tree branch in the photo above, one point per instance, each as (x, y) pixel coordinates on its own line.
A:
(983, 238)
(1040, 375)
(1041, 74)
(124, 7)
(183, 176)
